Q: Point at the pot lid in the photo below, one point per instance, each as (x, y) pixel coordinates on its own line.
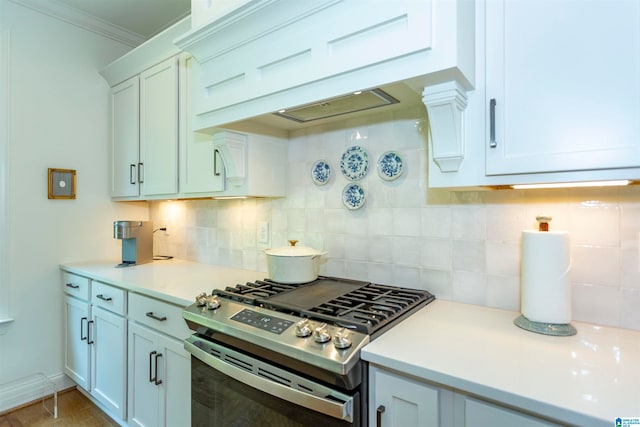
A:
(293, 250)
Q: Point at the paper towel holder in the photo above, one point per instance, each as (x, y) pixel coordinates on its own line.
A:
(553, 329)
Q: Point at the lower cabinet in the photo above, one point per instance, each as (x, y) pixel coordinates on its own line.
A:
(96, 341)
(397, 400)
(159, 379)
(401, 401)
(109, 348)
(159, 366)
(126, 350)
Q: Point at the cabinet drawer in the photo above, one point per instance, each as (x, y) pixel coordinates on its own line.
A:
(159, 315)
(75, 285)
(109, 297)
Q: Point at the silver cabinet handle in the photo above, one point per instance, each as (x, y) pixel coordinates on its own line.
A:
(492, 123)
(379, 412)
(72, 286)
(103, 298)
(216, 153)
(154, 316)
(152, 378)
(132, 173)
(140, 173)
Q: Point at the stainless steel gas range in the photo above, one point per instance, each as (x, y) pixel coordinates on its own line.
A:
(270, 354)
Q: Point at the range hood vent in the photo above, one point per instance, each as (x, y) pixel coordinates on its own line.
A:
(357, 101)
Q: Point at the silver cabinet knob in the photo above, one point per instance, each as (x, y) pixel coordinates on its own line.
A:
(321, 334)
(341, 340)
(303, 329)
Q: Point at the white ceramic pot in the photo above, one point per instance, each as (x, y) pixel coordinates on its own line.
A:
(293, 264)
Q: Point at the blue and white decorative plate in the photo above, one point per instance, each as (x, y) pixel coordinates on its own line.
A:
(390, 166)
(354, 163)
(353, 196)
(320, 172)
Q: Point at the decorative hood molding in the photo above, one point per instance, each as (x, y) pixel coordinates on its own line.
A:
(266, 56)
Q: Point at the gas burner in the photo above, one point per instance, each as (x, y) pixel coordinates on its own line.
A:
(355, 305)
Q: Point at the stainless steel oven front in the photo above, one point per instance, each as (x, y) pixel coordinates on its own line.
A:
(231, 387)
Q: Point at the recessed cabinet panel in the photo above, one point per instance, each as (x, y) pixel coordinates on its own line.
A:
(201, 168)
(483, 414)
(563, 92)
(401, 401)
(125, 136)
(159, 129)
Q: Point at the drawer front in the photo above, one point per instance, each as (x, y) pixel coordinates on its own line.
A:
(75, 285)
(159, 315)
(109, 297)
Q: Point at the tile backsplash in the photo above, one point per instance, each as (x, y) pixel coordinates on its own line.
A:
(462, 246)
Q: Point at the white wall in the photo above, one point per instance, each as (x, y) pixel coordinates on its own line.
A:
(461, 246)
(58, 115)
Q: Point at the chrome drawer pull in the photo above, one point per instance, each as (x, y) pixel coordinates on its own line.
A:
(103, 298)
(153, 316)
(72, 286)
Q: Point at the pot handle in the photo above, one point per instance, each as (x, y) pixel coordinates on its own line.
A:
(318, 255)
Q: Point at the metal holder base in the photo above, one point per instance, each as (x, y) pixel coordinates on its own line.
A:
(554, 329)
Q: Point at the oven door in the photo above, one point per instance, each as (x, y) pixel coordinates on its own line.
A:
(229, 388)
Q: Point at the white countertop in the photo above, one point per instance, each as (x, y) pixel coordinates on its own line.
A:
(175, 281)
(588, 379)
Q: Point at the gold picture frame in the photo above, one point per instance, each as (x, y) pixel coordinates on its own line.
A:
(62, 183)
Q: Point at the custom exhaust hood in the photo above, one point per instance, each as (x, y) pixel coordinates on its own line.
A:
(284, 65)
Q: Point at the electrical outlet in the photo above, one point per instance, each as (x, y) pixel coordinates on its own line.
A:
(263, 232)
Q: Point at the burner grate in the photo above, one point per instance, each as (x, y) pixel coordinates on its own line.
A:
(366, 307)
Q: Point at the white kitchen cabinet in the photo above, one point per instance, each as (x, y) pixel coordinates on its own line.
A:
(562, 87)
(108, 340)
(481, 414)
(125, 137)
(96, 340)
(159, 367)
(144, 116)
(556, 99)
(76, 356)
(159, 129)
(201, 167)
(401, 402)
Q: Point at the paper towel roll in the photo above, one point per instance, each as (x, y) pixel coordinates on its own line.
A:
(546, 286)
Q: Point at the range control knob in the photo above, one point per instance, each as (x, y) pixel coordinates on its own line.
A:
(321, 334)
(303, 329)
(341, 340)
(213, 302)
(201, 299)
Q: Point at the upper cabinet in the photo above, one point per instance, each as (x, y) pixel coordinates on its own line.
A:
(557, 96)
(264, 56)
(563, 87)
(155, 152)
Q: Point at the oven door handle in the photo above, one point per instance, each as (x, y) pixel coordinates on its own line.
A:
(340, 410)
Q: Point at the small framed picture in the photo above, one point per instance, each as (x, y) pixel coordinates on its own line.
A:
(62, 183)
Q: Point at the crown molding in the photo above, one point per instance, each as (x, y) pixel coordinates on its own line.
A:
(83, 20)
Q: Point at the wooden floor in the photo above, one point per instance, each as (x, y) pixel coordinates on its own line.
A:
(74, 410)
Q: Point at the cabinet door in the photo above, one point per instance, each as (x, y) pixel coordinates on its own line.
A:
(176, 382)
(482, 414)
(159, 129)
(144, 394)
(564, 77)
(402, 402)
(76, 356)
(109, 347)
(201, 168)
(125, 137)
